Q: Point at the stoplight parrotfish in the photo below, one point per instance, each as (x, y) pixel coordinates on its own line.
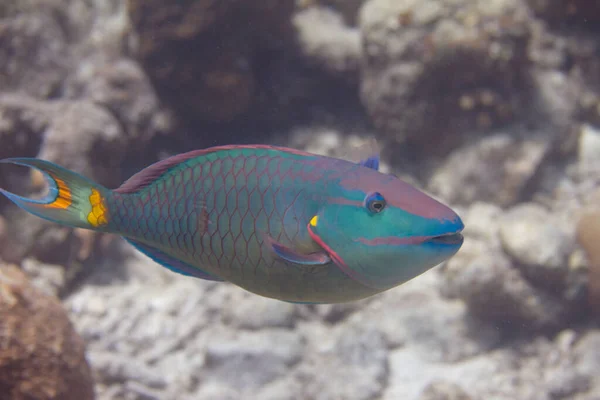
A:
(275, 221)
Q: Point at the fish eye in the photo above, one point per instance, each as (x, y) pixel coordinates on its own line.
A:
(375, 202)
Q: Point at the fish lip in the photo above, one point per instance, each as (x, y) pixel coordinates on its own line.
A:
(450, 239)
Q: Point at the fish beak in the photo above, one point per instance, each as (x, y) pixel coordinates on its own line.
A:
(453, 239)
(451, 234)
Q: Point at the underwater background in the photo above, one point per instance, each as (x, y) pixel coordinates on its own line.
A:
(490, 106)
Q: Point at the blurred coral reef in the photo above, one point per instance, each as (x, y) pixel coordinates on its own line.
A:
(493, 106)
(41, 355)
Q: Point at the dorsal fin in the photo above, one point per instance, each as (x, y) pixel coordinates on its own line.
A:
(151, 173)
(371, 162)
(366, 154)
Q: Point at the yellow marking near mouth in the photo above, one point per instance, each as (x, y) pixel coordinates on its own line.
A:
(97, 217)
(63, 199)
(314, 221)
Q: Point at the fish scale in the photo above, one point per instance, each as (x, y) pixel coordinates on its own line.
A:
(229, 242)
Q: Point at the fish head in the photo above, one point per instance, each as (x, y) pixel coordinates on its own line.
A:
(381, 231)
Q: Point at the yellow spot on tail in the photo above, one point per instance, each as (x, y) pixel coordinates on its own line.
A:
(97, 216)
(314, 220)
(64, 199)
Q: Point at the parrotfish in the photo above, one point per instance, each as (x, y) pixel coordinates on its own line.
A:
(275, 221)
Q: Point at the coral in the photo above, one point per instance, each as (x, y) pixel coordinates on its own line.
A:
(444, 391)
(583, 13)
(41, 355)
(513, 269)
(348, 9)
(588, 234)
(506, 167)
(433, 70)
(202, 55)
(34, 53)
(328, 43)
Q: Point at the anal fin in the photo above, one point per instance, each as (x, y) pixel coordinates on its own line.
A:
(171, 263)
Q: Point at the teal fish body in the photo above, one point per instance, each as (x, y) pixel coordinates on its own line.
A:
(278, 222)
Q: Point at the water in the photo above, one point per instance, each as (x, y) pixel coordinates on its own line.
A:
(492, 107)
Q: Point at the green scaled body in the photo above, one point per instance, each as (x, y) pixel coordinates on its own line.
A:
(250, 215)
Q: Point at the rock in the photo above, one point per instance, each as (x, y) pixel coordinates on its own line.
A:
(149, 331)
(441, 390)
(581, 13)
(555, 101)
(66, 132)
(338, 142)
(433, 71)
(334, 313)
(238, 40)
(349, 9)
(216, 391)
(254, 312)
(78, 135)
(141, 392)
(565, 383)
(282, 389)
(588, 154)
(250, 360)
(35, 54)
(588, 234)
(50, 278)
(481, 237)
(102, 27)
(3, 236)
(356, 353)
(43, 242)
(482, 222)
(506, 166)
(122, 88)
(538, 243)
(518, 371)
(112, 368)
(495, 291)
(582, 377)
(539, 288)
(328, 43)
(22, 123)
(582, 49)
(46, 39)
(138, 314)
(584, 351)
(86, 139)
(438, 329)
(41, 355)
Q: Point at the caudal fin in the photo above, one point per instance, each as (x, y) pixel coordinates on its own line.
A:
(72, 199)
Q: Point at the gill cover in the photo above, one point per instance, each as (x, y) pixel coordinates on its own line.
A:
(380, 249)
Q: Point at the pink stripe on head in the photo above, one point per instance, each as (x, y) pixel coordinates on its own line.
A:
(398, 193)
(394, 240)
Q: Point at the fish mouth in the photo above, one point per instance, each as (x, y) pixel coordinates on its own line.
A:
(449, 239)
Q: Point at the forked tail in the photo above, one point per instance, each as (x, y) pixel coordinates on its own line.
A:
(72, 199)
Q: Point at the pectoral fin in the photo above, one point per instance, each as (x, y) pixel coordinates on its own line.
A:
(290, 255)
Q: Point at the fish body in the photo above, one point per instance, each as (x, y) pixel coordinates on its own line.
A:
(277, 222)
